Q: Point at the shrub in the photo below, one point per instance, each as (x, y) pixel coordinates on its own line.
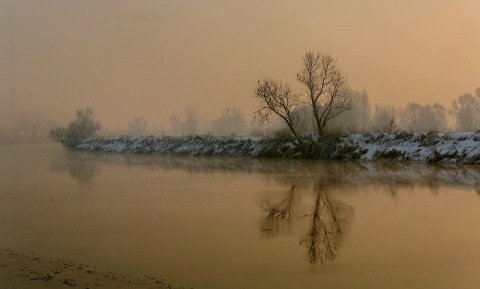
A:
(84, 126)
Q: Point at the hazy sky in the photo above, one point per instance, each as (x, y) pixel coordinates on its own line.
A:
(152, 58)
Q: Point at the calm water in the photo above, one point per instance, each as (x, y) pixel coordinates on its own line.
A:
(241, 223)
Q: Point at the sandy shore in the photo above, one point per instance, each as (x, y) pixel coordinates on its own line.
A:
(29, 270)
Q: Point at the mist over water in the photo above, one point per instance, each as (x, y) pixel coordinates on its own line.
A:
(245, 223)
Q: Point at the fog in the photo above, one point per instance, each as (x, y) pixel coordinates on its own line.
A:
(153, 59)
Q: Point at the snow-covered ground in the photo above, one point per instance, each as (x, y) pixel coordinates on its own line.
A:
(194, 146)
(449, 148)
(452, 148)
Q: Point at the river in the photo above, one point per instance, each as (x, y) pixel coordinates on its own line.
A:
(246, 223)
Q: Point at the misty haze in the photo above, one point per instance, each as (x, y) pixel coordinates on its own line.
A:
(239, 144)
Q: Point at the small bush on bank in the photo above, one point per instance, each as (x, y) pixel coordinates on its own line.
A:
(84, 126)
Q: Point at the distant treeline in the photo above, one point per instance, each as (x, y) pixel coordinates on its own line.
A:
(462, 116)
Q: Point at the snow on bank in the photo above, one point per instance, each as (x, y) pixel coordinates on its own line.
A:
(450, 148)
(194, 146)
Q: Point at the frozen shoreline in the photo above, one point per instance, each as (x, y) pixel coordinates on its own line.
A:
(462, 148)
(27, 269)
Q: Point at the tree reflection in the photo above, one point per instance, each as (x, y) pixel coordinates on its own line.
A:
(79, 166)
(279, 214)
(330, 221)
(285, 209)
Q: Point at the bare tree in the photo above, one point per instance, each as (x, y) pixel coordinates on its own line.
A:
(435, 117)
(411, 116)
(83, 127)
(423, 118)
(325, 86)
(232, 122)
(477, 93)
(190, 125)
(326, 96)
(362, 111)
(414, 117)
(175, 123)
(137, 126)
(357, 119)
(384, 118)
(277, 99)
(466, 112)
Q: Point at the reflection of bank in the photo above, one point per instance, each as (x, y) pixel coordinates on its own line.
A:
(389, 175)
(330, 220)
(79, 166)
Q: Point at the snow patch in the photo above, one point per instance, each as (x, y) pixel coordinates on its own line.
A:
(450, 148)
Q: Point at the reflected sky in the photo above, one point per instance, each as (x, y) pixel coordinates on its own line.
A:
(244, 223)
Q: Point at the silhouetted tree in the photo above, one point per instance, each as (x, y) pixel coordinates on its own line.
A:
(326, 88)
(326, 95)
(277, 99)
(84, 126)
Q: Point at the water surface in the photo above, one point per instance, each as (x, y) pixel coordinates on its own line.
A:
(244, 223)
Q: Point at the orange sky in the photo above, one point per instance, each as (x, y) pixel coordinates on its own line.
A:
(154, 57)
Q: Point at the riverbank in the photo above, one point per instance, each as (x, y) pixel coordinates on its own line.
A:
(450, 148)
(24, 269)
